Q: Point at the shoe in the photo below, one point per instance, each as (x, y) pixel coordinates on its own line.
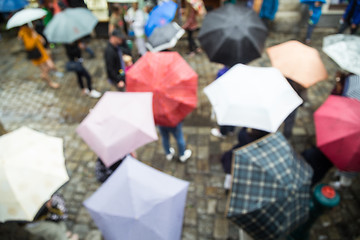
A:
(85, 91)
(216, 132)
(336, 185)
(186, 156)
(94, 94)
(307, 41)
(170, 156)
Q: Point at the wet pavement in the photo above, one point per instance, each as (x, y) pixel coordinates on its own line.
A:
(26, 100)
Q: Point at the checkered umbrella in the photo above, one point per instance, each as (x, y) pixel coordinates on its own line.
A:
(270, 192)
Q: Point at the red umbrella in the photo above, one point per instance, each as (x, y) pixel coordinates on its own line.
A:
(172, 81)
(337, 124)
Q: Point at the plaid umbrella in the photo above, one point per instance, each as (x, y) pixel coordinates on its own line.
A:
(352, 87)
(270, 192)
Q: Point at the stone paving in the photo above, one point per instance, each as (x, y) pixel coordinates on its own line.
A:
(28, 101)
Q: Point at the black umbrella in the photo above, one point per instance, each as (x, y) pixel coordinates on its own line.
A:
(232, 34)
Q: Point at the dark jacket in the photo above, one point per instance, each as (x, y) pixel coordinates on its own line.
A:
(352, 12)
(73, 51)
(113, 64)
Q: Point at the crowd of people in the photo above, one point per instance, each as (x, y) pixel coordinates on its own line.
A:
(118, 56)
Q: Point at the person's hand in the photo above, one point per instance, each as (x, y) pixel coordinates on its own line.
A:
(121, 84)
(353, 25)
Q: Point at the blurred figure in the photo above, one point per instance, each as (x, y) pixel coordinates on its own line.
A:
(314, 16)
(137, 19)
(351, 17)
(33, 44)
(190, 26)
(184, 154)
(116, 19)
(268, 11)
(245, 136)
(114, 63)
(224, 130)
(102, 172)
(73, 52)
(128, 62)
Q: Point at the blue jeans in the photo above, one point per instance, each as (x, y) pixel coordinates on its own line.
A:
(177, 133)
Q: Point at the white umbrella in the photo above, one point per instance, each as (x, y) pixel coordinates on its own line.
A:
(164, 37)
(70, 25)
(254, 97)
(25, 16)
(344, 50)
(32, 168)
(139, 202)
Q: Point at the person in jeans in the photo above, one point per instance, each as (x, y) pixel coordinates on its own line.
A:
(184, 154)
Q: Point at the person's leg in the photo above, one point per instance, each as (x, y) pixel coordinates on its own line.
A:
(140, 43)
(178, 134)
(343, 26)
(164, 132)
(45, 75)
(79, 79)
(86, 74)
(354, 30)
(309, 32)
(289, 123)
(191, 41)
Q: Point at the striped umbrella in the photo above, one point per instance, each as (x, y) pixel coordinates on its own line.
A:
(352, 87)
(270, 191)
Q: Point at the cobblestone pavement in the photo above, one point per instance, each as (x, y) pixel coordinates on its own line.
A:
(28, 101)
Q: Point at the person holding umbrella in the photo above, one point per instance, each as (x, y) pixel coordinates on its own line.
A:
(115, 66)
(33, 44)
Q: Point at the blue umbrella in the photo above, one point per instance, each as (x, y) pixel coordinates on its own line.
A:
(160, 15)
(311, 1)
(12, 5)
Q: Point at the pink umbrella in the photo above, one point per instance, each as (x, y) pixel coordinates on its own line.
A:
(338, 131)
(119, 124)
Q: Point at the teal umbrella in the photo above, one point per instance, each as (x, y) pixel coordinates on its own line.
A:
(70, 25)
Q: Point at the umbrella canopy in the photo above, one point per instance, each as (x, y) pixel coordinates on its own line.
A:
(252, 97)
(352, 87)
(338, 131)
(160, 15)
(139, 202)
(171, 79)
(25, 16)
(32, 168)
(12, 5)
(270, 192)
(344, 49)
(70, 25)
(232, 34)
(311, 1)
(298, 62)
(165, 37)
(122, 1)
(119, 124)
